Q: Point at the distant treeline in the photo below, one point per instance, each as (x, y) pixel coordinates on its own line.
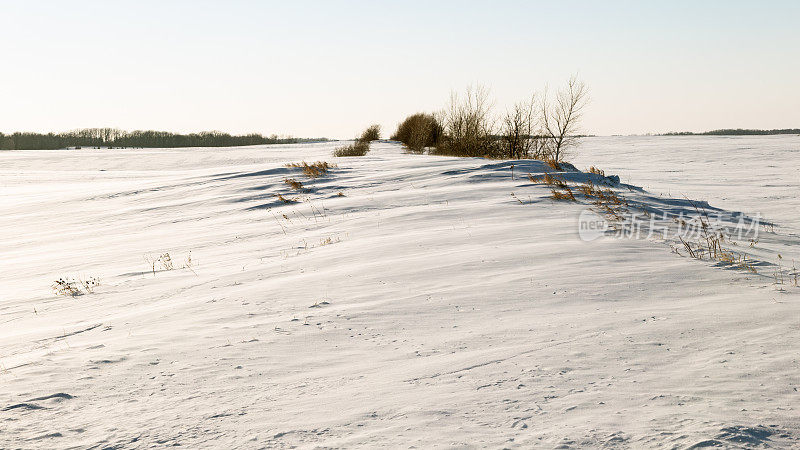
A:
(112, 137)
(735, 132)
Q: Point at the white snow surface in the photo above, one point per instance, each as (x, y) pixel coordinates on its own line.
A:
(426, 307)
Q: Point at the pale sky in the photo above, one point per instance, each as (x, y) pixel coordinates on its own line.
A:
(330, 68)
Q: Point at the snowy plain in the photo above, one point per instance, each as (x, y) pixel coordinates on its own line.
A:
(424, 307)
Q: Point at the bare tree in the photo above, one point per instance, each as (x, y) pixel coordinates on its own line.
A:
(518, 129)
(561, 118)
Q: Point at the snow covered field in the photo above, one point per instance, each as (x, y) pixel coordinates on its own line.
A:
(425, 306)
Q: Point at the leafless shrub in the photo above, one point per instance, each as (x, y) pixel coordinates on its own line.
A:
(372, 133)
(357, 148)
(469, 125)
(361, 145)
(419, 131)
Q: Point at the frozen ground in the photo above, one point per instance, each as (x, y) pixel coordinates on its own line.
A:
(425, 307)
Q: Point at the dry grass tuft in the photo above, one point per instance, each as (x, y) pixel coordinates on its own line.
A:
(293, 184)
(313, 170)
(588, 190)
(69, 287)
(607, 201)
(553, 164)
(558, 187)
(329, 240)
(550, 180)
(710, 243)
(601, 196)
(66, 287)
(596, 171)
(89, 284)
(567, 195)
(284, 199)
(164, 261)
(609, 196)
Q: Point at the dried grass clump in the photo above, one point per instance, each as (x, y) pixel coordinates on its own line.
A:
(164, 261)
(188, 263)
(559, 189)
(606, 200)
(553, 164)
(601, 196)
(550, 180)
(567, 195)
(610, 197)
(69, 287)
(745, 265)
(587, 190)
(89, 284)
(596, 171)
(284, 199)
(709, 245)
(66, 287)
(546, 178)
(313, 170)
(329, 240)
(293, 184)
